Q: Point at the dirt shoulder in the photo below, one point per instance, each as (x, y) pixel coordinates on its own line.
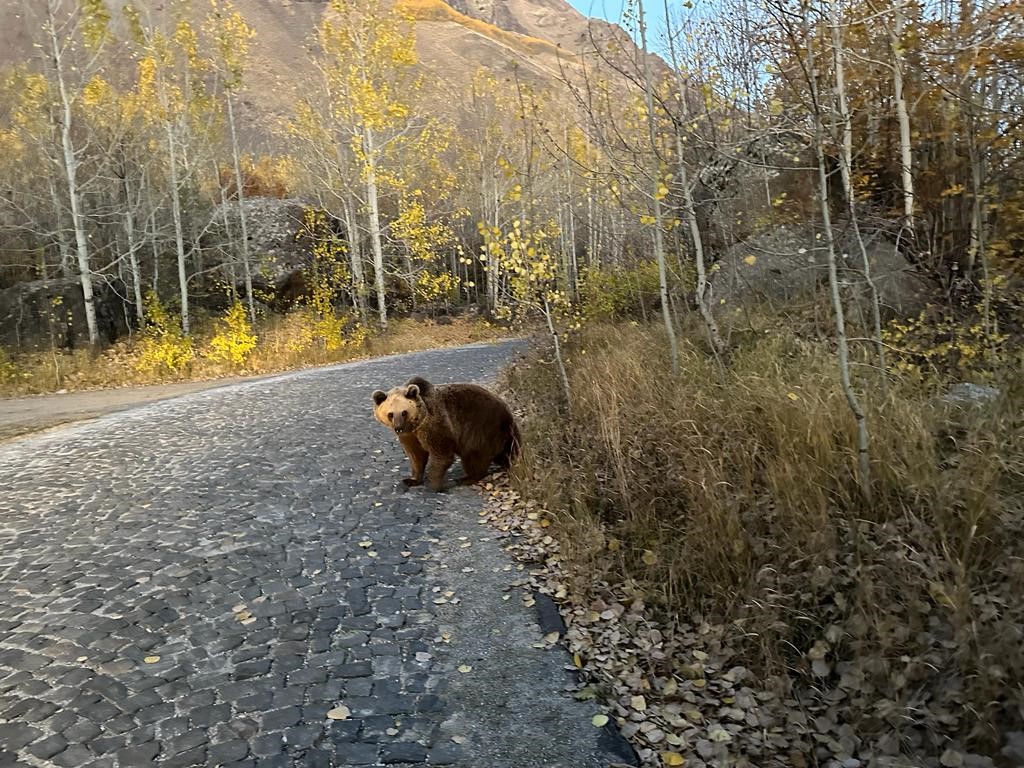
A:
(22, 415)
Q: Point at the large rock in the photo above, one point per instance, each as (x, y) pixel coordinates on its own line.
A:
(274, 246)
(51, 313)
(789, 263)
(279, 256)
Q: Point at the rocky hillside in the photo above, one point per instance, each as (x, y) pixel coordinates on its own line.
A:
(537, 39)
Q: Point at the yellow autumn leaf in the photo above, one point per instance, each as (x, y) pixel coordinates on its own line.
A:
(750, 261)
(599, 721)
(151, 659)
(649, 557)
(465, 668)
(672, 758)
(792, 396)
(639, 703)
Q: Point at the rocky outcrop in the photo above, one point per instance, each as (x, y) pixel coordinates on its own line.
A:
(273, 225)
(789, 263)
(51, 313)
(279, 256)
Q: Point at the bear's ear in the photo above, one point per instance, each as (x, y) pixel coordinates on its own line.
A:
(421, 385)
(379, 396)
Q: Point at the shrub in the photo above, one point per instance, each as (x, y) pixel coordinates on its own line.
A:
(621, 294)
(731, 493)
(234, 341)
(8, 370)
(163, 348)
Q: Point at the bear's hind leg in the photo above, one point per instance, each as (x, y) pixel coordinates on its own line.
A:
(439, 463)
(475, 466)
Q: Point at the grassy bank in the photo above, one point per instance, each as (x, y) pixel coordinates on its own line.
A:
(282, 343)
(727, 494)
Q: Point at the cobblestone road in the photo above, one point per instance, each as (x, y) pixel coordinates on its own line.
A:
(200, 581)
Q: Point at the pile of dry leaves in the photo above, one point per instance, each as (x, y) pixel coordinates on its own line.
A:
(673, 691)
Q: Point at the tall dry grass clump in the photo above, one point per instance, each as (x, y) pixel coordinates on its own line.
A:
(730, 492)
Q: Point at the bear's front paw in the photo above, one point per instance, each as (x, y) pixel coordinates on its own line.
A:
(411, 481)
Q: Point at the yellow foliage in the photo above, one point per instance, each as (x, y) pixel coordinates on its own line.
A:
(937, 343)
(430, 287)
(234, 340)
(164, 348)
(8, 370)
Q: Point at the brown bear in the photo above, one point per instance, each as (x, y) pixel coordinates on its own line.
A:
(437, 423)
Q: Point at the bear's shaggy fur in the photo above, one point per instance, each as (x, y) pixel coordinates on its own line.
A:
(437, 423)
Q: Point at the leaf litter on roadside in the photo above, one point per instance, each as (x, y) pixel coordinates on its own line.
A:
(673, 691)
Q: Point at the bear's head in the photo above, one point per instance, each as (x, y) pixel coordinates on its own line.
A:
(402, 408)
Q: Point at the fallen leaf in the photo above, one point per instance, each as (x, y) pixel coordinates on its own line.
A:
(951, 759)
(719, 734)
(552, 637)
(599, 721)
(459, 739)
(465, 668)
(151, 659)
(672, 758)
(639, 703)
(365, 544)
(340, 712)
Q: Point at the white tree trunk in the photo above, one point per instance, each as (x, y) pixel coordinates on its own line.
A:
(355, 256)
(863, 437)
(655, 181)
(846, 171)
(71, 171)
(242, 217)
(133, 249)
(903, 118)
(701, 294)
(179, 235)
(374, 228)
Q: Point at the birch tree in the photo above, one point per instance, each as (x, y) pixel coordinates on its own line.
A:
(63, 26)
(232, 35)
(367, 56)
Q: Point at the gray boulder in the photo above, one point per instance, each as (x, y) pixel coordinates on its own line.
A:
(789, 263)
(43, 314)
(274, 246)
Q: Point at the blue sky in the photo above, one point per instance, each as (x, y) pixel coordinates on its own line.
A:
(654, 11)
(611, 10)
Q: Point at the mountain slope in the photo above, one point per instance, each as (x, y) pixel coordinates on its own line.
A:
(537, 40)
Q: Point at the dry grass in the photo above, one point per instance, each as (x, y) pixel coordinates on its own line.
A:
(730, 493)
(276, 351)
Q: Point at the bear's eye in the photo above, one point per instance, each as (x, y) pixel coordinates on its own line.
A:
(404, 414)
(391, 416)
